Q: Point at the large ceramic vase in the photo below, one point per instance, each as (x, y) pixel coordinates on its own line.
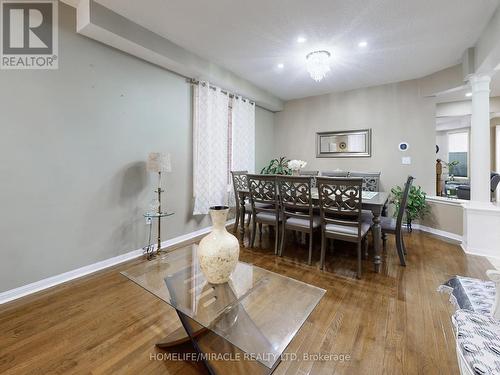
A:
(218, 252)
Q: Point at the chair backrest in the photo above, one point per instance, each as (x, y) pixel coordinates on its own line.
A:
(263, 189)
(371, 180)
(340, 201)
(309, 173)
(403, 205)
(312, 175)
(295, 197)
(335, 173)
(240, 183)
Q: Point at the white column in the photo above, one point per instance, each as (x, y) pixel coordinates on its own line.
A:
(480, 139)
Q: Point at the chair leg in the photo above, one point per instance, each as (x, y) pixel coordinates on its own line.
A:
(310, 248)
(384, 241)
(282, 245)
(276, 237)
(366, 247)
(323, 247)
(359, 260)
(249, 218)
(403, 243)
(254, 229)
(399, 248)
(237, 222)
(260, 232)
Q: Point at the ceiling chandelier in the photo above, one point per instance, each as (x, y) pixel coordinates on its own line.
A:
(318, 64)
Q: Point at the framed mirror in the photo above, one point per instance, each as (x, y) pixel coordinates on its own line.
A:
(344, 144)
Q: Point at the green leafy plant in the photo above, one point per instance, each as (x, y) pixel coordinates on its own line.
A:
(277, 166)
(451, 167)
(416, 207)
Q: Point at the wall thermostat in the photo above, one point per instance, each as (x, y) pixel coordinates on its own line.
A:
(403, 146)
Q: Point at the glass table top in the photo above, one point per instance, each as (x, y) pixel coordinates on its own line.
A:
(257, 311)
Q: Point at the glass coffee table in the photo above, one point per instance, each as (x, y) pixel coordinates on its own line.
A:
(243, 325)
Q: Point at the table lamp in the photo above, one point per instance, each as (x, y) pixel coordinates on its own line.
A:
(158, 163)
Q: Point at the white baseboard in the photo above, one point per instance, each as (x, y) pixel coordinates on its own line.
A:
(438, 232)
(37, 286)
(455, 237)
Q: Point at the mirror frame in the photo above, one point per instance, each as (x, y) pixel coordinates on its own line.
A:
(364, 154)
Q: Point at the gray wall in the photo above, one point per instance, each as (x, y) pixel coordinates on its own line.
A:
(395, 113)
(73, 179)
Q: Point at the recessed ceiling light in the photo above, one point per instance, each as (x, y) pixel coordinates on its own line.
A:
(301, 39)
(281, 66)
(363, 44)
(468, 94)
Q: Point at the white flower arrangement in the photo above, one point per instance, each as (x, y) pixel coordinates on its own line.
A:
(296, 165)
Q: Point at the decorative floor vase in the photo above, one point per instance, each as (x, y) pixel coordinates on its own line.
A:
(218, 252)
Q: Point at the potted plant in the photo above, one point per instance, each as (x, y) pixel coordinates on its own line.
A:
(416, 207)
(277, 166)
(451, 168)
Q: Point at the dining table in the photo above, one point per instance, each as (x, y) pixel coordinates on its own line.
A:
(374, 201)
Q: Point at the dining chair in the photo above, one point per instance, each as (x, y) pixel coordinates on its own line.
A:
(340, 204)
(390, 227)
(312, 175)
(265, 205)
(240, 183)
(371, 180)
(297, 208)
(334, 173)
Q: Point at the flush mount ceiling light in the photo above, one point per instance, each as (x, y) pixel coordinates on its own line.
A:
(363, 44)
(318, 64)
(468, 94)
(301, 39)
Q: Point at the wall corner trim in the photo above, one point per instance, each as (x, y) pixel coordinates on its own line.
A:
(51, 281)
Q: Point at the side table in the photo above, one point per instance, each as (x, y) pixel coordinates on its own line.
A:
(149, 248)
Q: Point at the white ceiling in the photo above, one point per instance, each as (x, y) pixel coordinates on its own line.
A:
(407, 38)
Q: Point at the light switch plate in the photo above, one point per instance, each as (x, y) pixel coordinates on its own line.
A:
(406, 160)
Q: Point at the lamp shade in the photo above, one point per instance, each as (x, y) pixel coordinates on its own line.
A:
(159, 162)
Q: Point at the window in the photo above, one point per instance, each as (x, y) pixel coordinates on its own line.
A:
(458, 151)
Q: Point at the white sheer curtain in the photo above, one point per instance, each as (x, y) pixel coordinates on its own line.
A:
(210, 147)
(243, 135)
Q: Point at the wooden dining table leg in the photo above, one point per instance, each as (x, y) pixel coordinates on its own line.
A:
(242, 218)
(377, 238)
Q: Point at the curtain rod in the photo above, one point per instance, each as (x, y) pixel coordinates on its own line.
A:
(226, 92)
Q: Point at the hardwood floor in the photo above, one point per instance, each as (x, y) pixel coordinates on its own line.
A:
(389, 323)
